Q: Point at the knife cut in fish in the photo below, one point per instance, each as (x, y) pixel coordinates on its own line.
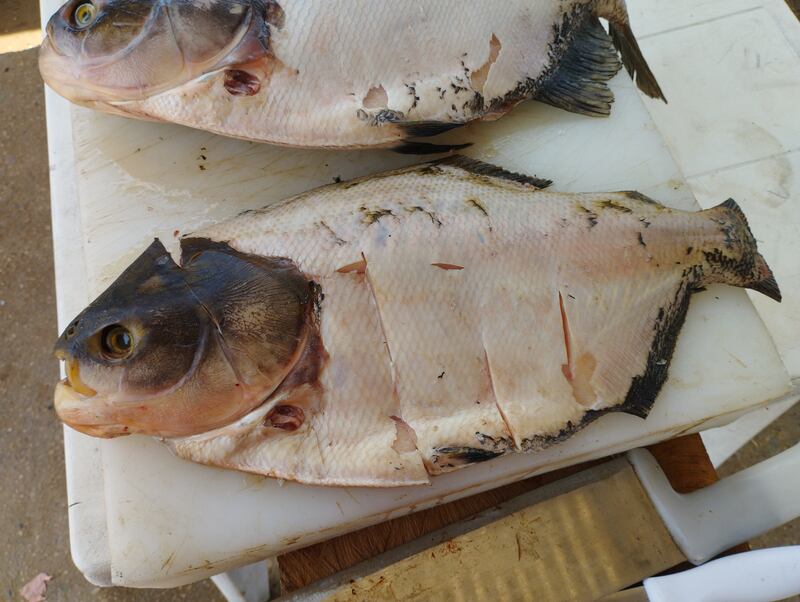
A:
(338, 73)
(378, 331)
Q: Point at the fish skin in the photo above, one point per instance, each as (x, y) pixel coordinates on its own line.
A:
(356, 73)
(478, 357)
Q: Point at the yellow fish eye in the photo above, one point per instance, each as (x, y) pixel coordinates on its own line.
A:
(116, 342)
(84, 14)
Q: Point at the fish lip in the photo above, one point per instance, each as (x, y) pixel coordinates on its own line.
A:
(58, 72)
(69, 405)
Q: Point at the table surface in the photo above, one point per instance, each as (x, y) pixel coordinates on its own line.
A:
(117, 183)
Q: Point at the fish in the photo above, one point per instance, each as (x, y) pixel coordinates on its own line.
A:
(384, 330)
(338, 73)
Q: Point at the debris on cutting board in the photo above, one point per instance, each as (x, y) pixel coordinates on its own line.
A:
(36, 589)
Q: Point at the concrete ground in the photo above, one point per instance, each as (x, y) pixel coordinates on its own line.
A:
(33, 513)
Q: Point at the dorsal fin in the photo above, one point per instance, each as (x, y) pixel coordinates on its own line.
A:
(578, 83)
(487, 169)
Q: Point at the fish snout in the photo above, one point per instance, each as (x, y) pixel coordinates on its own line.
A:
(56, 69)
(79, 413)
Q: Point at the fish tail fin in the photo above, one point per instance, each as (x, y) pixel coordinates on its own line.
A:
(578, 83)
(625, 42)
(737, 261)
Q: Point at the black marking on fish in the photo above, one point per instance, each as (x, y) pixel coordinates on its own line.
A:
(591, 216)
(638, 196)
(497, 444)
(412, 90)
(381, 117)
(477, 204)
(241, 83)
(433, 217)
(374, 215)
(641, 240)
(689, 250)
(412, 147)
(539, 442)
(339, 241)
(459, 456)
(479, 168)
(721, 263)
(614, 205)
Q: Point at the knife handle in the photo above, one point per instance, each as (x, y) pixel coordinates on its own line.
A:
(757, 576)
(708, 521)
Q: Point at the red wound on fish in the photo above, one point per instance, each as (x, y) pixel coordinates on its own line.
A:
(287, 418)
(241, 83)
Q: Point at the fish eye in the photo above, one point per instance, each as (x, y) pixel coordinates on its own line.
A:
(84, 15)
(116, 342)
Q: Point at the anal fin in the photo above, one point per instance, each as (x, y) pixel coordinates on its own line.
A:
(412, 147)
(578, 83)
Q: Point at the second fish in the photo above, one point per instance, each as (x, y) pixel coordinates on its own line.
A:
(339, 73)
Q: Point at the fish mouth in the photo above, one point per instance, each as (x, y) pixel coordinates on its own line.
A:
(61, 73)
(74, 379)
(85, 414)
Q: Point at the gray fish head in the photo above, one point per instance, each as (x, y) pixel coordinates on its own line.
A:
(103, 52)
(173, 351)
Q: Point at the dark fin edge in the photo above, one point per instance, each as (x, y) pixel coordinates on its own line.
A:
(644, 388)
(769, 287)
(766, 285)
(729, 203)
(633, 59)
(451, 457)
(423, 129)
(578, 82)
(487, 169)
(410, 147)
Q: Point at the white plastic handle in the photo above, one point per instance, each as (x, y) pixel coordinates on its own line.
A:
(758, 576)
(708, 521)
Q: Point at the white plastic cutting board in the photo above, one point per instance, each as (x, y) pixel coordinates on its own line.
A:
(145, 518)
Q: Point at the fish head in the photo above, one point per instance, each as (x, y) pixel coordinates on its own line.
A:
(104, 53)
(170, 350)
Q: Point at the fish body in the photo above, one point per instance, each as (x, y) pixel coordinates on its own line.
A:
(424, 319)
(338, 73)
